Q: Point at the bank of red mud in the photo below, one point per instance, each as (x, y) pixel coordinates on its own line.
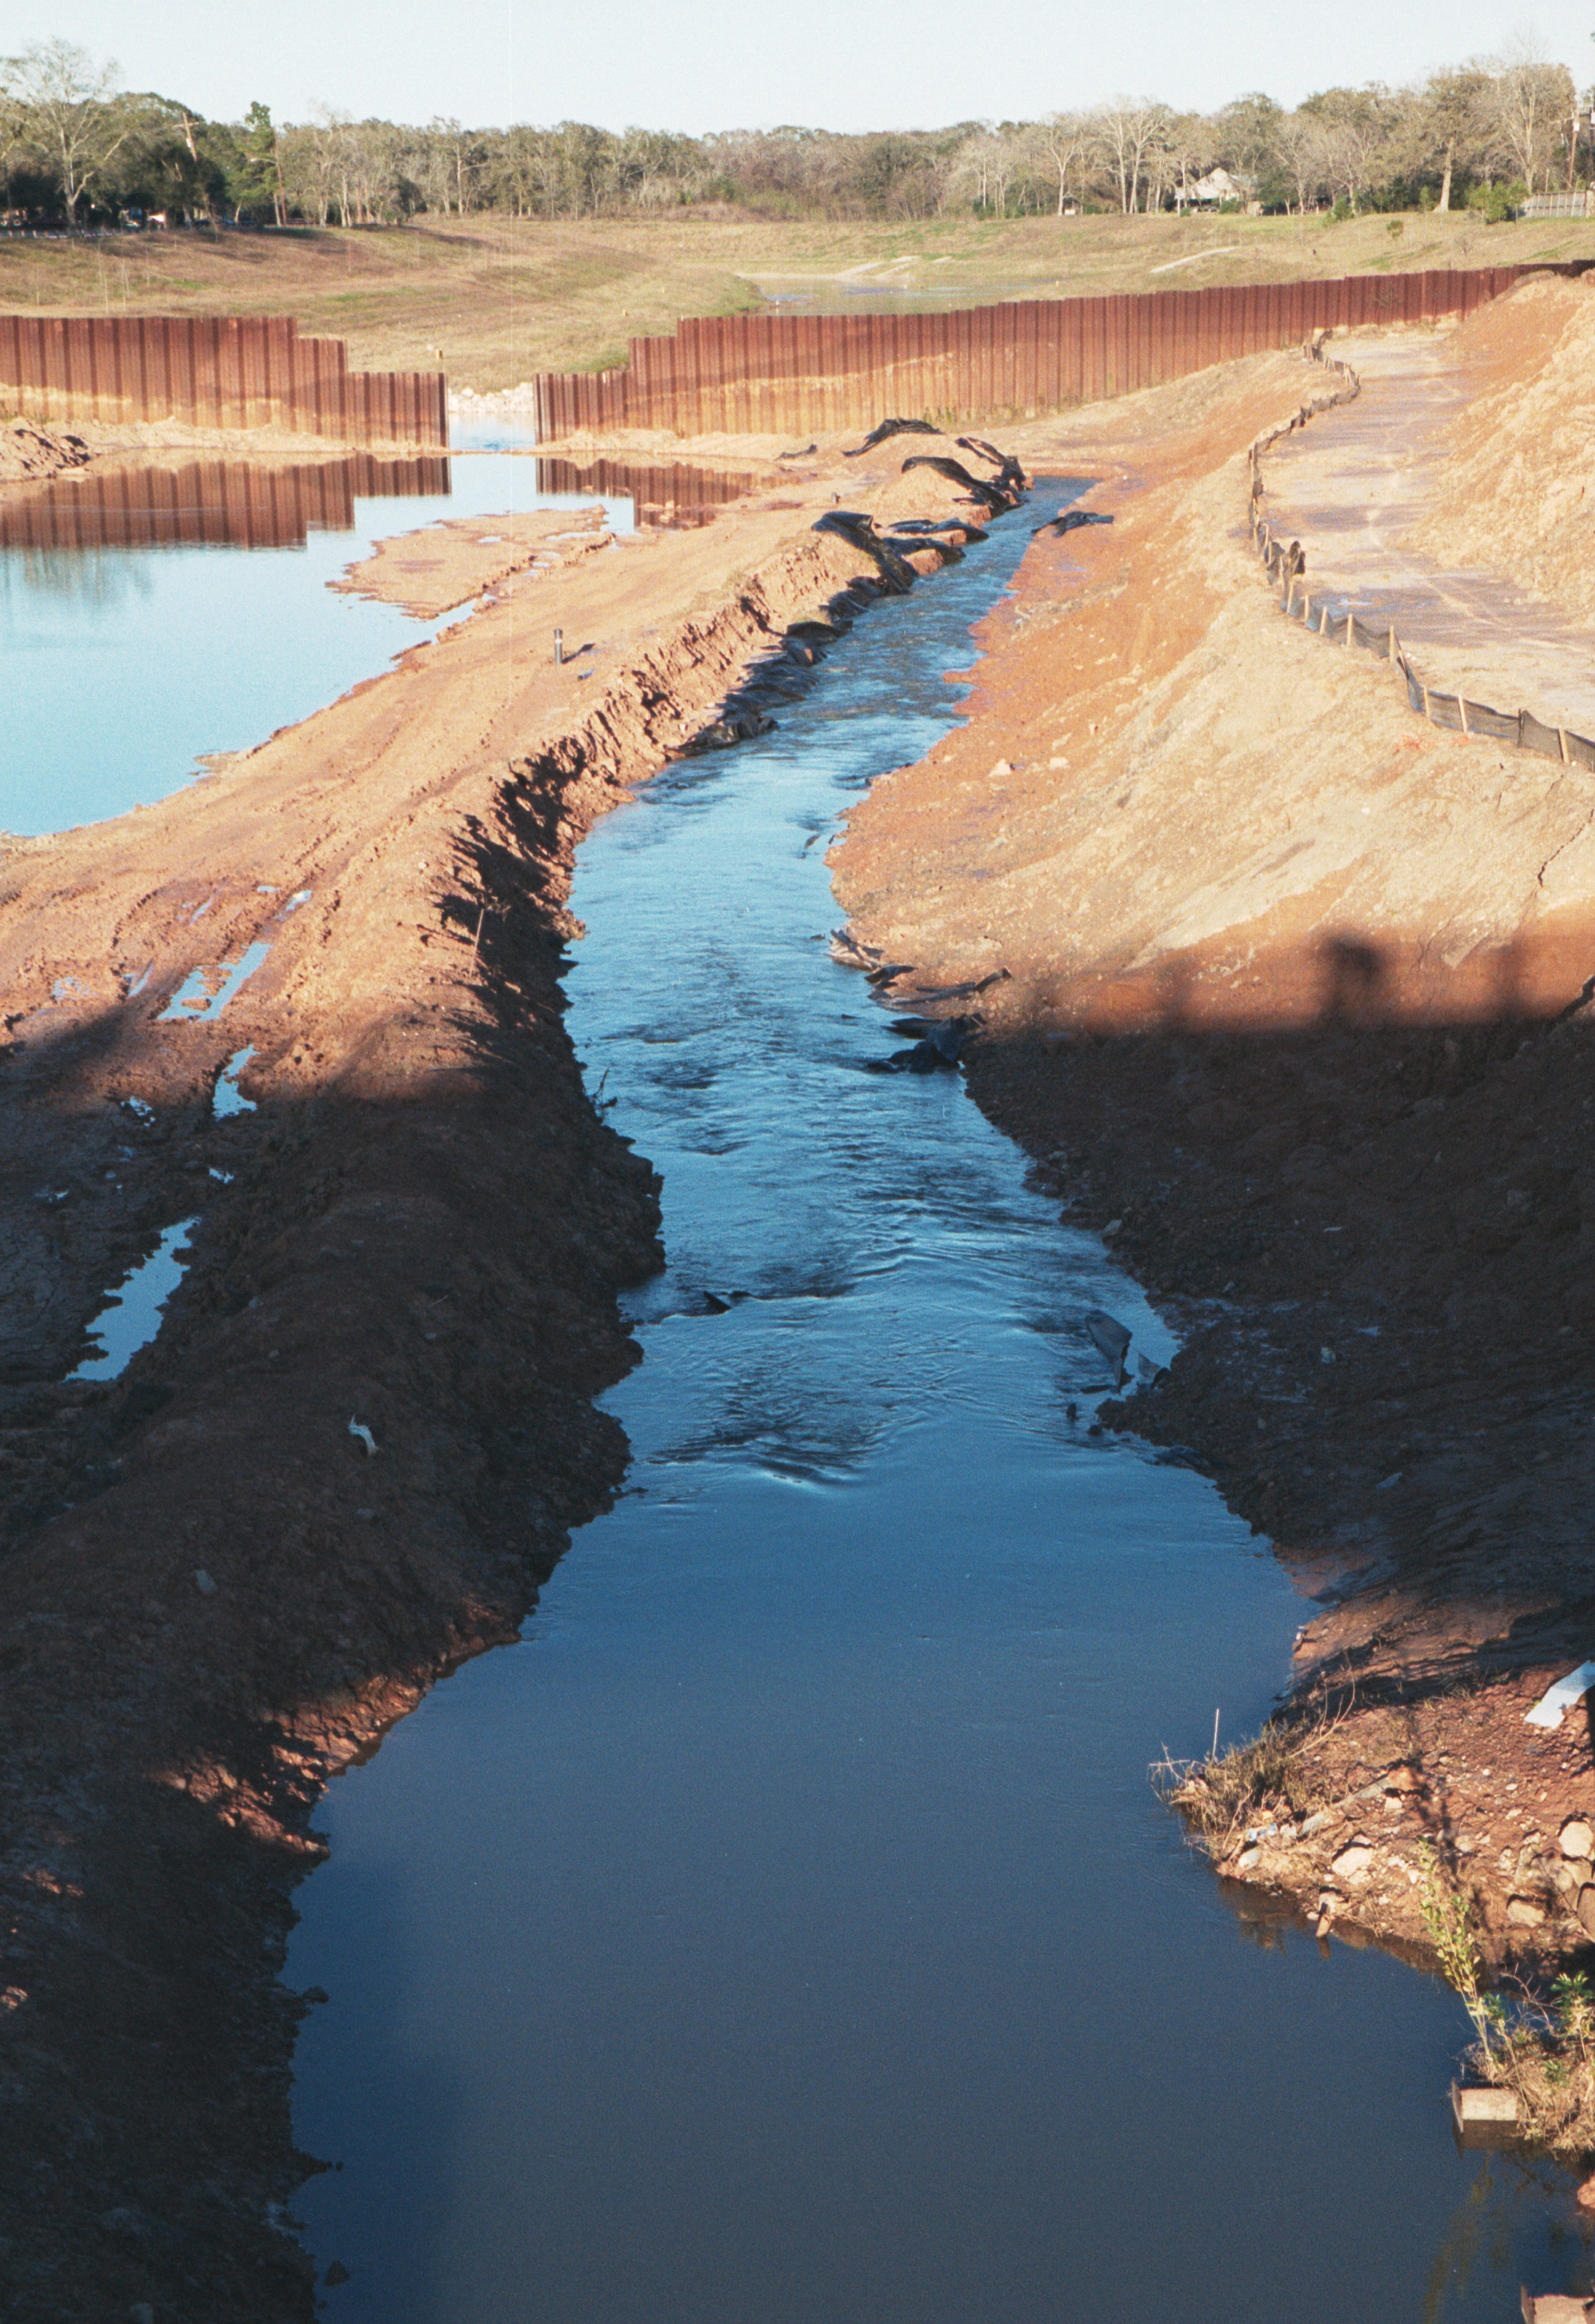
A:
(1293, 1002)
(365, 1428)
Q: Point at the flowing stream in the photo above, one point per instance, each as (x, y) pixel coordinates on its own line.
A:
(785, 1930)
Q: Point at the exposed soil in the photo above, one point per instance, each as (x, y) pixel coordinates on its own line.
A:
(365, 1428)
(1294, 1007)
(29, 451)
(1514, 493)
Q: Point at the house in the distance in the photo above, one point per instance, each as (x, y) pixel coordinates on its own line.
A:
(1210, 192)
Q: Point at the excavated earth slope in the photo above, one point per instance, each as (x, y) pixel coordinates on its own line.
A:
(366, 1428)
(1294, 1004)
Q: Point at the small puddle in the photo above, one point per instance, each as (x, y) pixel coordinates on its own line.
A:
(227, 1098)
(131, 1317)
(201, 995)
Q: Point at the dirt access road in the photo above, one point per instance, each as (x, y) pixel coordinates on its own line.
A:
(1297, 1010)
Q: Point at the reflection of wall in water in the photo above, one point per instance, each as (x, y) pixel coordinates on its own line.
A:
(663, 495)
(218, 504)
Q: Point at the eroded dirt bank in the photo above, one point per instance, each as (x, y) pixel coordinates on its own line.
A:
(1297, 1010)
(365, 1428)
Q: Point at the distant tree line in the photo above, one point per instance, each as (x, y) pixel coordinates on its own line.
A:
(76, 148)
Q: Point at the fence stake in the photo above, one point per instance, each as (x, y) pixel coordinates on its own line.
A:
(1348, 621)
(1462, 707)
(1393, 654)
(1562, 738)
(1425, 695)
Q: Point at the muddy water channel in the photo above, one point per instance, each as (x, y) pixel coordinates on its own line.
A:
(785, 1930)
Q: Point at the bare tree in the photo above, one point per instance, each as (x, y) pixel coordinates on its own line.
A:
(1303, 150)
(1129, 128)
(66, 98)
(990, 162)
(1189, 144)
(1533, 100)
(1064, 139)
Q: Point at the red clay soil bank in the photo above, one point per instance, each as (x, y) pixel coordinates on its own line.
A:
(212, 1590)
(1297, 1010)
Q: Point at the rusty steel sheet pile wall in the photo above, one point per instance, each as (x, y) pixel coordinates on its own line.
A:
(212, 371)
(779, 375)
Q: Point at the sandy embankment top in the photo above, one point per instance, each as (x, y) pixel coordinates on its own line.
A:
(1168, 798)
(1516, 492)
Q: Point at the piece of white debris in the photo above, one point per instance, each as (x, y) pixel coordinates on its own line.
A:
(358, 1428)
(1563, 1696)
(204, 1583)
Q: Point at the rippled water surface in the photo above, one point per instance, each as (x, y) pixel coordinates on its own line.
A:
(785, 1932)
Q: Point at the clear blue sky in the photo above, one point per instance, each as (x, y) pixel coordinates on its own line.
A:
(722, 64)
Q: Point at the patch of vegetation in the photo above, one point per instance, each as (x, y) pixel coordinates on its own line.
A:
(1270, 1780)
(1541, 2047)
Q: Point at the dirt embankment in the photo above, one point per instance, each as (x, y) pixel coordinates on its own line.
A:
(1296, 1011)
(29, 451)
(365, 1428)
(1517, 490)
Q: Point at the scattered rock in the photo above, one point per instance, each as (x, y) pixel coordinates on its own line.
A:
(1352, 1862)
(1522, 1912)
(1584, 1910)
(1577, 1838)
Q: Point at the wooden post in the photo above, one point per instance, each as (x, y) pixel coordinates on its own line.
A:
(1348, 632)
(1562, 738)
(1462, 709)
(1393, 655)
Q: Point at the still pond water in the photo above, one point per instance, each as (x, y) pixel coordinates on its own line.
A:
(130, 649)
(785, 1930)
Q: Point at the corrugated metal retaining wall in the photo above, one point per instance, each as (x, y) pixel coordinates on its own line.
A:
(212, 371)
(782, 375)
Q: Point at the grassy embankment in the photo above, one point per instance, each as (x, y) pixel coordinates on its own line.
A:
(498, 298)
